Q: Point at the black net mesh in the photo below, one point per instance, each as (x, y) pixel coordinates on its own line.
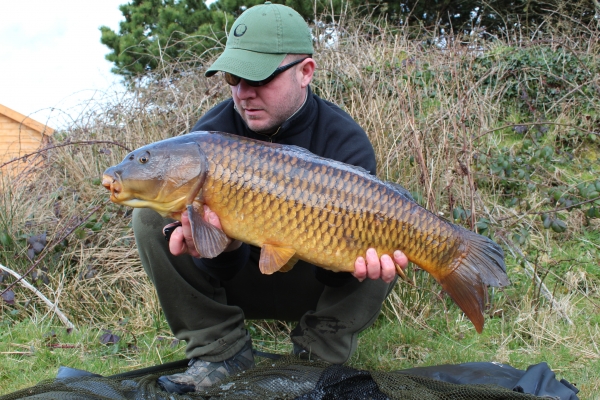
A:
(287, 378)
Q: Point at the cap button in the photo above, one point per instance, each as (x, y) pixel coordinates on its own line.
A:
(268, 2)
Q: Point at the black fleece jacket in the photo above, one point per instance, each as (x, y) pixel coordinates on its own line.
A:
(319, 126)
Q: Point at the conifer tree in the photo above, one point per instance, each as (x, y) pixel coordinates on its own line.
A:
(156, 31)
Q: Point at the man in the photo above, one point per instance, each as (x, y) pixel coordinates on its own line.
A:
(267, 62)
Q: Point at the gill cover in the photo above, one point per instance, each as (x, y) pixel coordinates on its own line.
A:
(164, 176)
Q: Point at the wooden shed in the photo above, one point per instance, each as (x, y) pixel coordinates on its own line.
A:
(20, 135)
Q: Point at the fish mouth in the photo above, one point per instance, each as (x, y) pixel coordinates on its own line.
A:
(112, 185)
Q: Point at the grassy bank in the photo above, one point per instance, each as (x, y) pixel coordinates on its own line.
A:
(497, 135)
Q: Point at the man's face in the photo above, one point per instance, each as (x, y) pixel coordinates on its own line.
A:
(265, 108)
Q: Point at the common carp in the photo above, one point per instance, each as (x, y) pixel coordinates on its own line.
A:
(295, 205)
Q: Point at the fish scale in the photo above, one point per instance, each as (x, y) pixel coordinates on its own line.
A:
(353, 201)
(296, 205)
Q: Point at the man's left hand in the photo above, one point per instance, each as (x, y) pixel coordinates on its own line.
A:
(373, 267)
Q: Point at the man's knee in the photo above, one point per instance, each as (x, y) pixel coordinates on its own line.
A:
(147, 224)
(151, 244)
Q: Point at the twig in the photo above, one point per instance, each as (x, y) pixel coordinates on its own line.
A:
(424, 171)
(530, 271)
(64, 145)
(465, 168)
(550, 211)
(535, 123)
(52, 306)
(63, 346)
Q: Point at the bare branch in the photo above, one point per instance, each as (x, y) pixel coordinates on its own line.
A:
(64, 145)
(52, 306)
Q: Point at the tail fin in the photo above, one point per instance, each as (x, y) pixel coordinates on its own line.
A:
(481, 265)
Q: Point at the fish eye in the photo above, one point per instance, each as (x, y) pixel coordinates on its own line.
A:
(144, 158)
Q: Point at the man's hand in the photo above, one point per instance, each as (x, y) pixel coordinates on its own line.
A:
(181, 241)
(373, 267)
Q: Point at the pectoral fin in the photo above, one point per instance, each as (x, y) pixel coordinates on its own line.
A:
(209, 240)
(274, 258)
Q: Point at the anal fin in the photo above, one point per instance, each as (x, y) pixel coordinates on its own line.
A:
(289, 265)
(274, 258)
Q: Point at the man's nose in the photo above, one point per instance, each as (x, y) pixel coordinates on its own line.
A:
(245, 91)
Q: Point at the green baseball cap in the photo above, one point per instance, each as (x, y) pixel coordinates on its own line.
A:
(260, 39)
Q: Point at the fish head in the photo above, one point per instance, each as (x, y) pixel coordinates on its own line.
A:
(164, 176)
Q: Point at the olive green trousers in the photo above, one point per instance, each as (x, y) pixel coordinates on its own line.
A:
(209, 314)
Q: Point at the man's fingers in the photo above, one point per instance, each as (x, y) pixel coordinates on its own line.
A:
(360, 269)
(186, 244)
(373, 264)
(401, 259)
(177, 245)
(211, 217)
(373, 267)
(388, 269)
(187, 229)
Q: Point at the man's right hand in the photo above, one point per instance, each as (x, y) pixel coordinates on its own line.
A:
(181, 241)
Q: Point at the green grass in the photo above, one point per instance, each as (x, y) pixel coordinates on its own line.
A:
(32, 351)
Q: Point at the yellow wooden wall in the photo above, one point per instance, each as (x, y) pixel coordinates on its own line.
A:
(19, 136)
(17, 139)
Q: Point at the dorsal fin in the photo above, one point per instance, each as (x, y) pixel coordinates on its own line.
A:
(402, 190)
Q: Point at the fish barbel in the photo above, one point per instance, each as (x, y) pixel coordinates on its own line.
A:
(296, 205)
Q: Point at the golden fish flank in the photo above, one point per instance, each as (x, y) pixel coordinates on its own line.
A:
(296, 205)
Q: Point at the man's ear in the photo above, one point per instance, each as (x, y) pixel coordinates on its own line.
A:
(307, 69)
